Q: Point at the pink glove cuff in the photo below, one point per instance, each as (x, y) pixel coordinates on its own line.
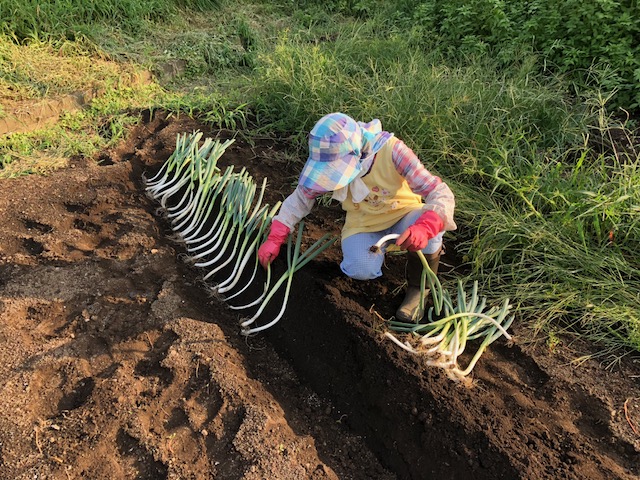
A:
(431, 221)
(270, 249)
(278, 232)
(417, 236)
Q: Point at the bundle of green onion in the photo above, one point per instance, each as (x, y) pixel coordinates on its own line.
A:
(220, 221)
(295, 261)
(450, 326)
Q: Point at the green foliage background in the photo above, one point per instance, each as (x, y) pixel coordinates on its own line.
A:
(593, 42)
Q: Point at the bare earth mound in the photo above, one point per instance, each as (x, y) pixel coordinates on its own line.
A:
(116, 363)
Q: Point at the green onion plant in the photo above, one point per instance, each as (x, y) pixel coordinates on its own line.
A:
(450, 325)
(295, 261)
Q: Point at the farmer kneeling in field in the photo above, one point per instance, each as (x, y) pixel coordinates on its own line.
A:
(383, 187)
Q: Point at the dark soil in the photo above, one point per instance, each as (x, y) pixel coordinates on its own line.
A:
(117, 363)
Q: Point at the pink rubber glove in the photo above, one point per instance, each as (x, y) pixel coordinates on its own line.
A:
(417, 236)
(270, 249)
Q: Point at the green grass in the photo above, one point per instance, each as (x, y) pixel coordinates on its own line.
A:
(548, 271)
(32, 19)
(84, 132)
(547, 201)
(46, 65)
(48, 69)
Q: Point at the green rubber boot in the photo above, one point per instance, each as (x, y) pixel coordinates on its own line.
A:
(410, 309)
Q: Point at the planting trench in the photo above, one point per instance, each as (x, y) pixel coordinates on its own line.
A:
(118, 363)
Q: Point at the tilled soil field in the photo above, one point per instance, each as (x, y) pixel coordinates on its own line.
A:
(117, 362)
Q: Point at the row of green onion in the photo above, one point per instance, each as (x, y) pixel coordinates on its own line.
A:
(220, 219)
(450, 325)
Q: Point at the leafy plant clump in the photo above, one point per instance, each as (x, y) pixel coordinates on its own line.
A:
(593, 42)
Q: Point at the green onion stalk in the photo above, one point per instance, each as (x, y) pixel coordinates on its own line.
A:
(263, 294)
(197, 240)
(206, 174)
(234, 218)
(223, 222)
(203, 178)
(264, 232)
(295, 261)
(450, 326)
(246, 252)
(183, 174)
(210, 189)
(159, 181)
(191, 176)
(245, 224)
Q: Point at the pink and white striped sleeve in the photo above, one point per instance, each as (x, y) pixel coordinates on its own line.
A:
(436, 194)
(296, 206)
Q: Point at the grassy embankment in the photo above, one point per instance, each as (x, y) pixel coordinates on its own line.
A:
(548, 217)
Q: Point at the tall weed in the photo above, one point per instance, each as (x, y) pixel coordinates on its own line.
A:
(455, 115)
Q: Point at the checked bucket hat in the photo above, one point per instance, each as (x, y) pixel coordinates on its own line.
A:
(337, 144)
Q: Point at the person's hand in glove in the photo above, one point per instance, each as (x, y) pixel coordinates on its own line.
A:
(270, 249)
(417, 236)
